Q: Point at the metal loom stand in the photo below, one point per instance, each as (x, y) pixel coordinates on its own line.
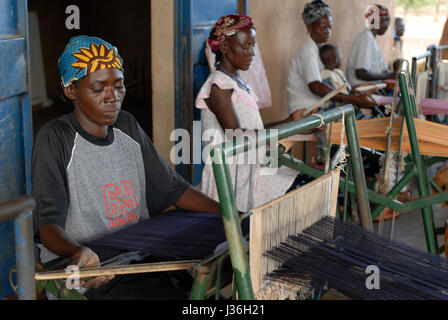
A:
(417, 169)
(231, 218)
(20, 209)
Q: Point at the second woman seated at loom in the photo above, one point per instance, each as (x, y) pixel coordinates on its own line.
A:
(227, 103)
(366, 61)
(305, 85)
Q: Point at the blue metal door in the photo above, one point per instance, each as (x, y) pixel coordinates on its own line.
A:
(195, 19)
(15, 122)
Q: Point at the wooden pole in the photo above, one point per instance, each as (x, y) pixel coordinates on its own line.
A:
(325, 99)
(116, 270)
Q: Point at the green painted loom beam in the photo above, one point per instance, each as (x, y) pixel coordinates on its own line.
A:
(230, 214)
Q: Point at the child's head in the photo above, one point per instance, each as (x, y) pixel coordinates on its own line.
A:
(330, 56)
(397, 65)
(400, 27)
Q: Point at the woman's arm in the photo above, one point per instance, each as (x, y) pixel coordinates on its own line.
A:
(55, 239)
(220, 103)
(194, 200)
(363, 100)
(365, 75)
(278, 123)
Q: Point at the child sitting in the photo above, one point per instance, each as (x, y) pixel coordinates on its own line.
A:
(333, 77)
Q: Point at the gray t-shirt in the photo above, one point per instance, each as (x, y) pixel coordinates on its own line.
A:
(91, 186)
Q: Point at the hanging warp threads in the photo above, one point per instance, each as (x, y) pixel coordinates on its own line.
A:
(273, 222)
(390, 164)
(339, 253)
(343, 155)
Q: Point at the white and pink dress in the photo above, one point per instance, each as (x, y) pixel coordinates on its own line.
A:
(264, 186)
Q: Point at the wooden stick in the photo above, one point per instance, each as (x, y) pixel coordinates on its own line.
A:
(371, 87)
(115, 270)
(289, 142)
(326, 98)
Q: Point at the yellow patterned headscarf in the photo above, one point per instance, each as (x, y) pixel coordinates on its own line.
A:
(84, 55)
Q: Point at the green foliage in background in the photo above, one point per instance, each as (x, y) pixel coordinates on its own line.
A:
(416, 4)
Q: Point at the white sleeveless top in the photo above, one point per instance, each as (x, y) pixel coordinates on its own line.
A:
(265, 185)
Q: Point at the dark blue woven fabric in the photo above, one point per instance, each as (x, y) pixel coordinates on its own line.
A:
(181, 234)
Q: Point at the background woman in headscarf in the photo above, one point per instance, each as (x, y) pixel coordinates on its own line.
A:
(366, 62)
(305, 86)
(227, 103)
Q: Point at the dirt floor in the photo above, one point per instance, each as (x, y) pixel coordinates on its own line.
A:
(408, 227)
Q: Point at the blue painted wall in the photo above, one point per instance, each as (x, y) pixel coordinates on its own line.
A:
(15, 122)
(194, 21)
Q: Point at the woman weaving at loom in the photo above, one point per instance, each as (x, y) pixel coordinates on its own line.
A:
(228, 103)
(305, 86)
(366, 62)
(95, 171)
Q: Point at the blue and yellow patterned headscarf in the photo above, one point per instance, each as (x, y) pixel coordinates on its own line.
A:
(84, 55)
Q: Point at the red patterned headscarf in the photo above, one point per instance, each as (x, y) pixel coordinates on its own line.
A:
(226, 27)
(377, 8)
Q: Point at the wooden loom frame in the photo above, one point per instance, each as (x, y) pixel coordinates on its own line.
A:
(309, 212)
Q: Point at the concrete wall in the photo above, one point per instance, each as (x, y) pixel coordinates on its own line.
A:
(54, 36)
(126, 27)
(162, 68)
(281, 32)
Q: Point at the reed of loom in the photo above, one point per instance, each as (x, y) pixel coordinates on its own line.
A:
(231, 219)
(272, 223)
